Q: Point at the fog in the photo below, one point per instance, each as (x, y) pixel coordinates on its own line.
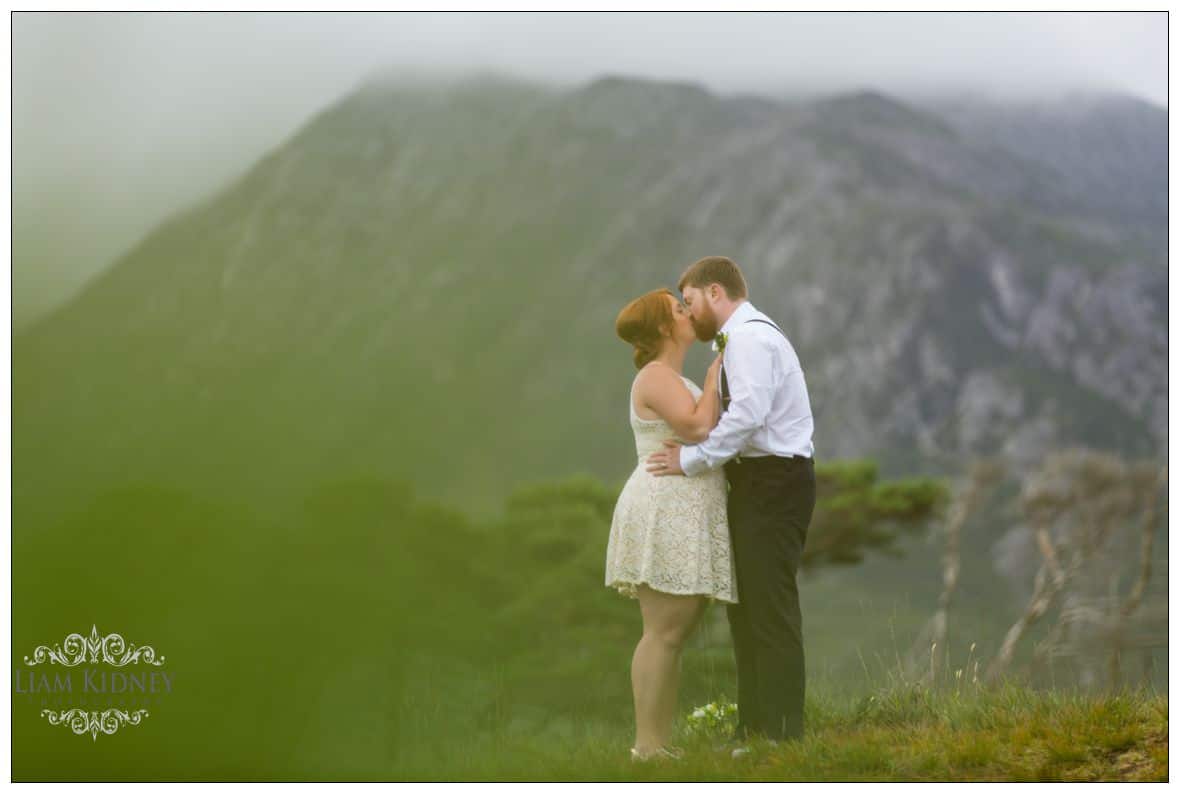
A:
(120, 119)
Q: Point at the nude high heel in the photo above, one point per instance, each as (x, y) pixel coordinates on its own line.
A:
(659, 754)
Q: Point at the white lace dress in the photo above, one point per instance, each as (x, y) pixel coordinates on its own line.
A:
(670, 533)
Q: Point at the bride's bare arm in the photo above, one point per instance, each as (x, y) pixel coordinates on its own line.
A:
(660, 389)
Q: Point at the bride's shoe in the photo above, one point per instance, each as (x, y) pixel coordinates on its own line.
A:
(659, 754)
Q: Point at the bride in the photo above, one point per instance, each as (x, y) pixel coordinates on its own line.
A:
(669, 543)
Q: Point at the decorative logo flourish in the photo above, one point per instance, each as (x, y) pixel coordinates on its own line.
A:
(76, 649)
(93, 722)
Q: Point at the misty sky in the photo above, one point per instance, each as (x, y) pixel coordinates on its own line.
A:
(122, 118)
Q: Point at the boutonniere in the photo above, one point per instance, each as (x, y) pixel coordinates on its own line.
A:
(719, 342)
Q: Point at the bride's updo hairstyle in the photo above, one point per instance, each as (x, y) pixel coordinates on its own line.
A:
(642, 321)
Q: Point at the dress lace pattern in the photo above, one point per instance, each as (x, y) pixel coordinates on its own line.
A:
(670, 533)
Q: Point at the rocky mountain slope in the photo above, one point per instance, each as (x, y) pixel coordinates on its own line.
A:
(422, 282)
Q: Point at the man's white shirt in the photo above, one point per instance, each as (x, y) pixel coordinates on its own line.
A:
(769, 412)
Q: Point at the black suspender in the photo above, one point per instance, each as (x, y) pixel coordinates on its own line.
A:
(767, 322)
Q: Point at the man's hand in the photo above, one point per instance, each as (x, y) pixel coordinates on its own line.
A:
(666, 461)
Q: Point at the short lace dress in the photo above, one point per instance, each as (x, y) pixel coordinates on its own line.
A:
(670, 533)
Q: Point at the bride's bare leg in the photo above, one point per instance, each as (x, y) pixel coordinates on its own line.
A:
(668, 717)
(668, 621)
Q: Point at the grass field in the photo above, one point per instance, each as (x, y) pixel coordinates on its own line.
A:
(378, 637)
(904, 734)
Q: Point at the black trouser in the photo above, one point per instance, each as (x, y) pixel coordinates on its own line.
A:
(771, 500)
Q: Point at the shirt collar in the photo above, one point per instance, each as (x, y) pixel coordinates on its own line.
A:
(742, 313)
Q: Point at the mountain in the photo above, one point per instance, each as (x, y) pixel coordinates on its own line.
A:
(421, 283)
(1110, 152)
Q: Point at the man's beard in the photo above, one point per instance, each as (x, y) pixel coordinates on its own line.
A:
(706, 327)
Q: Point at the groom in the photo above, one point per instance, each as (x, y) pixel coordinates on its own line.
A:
(764, 442)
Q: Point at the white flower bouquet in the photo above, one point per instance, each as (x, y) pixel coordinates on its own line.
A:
(712, 719)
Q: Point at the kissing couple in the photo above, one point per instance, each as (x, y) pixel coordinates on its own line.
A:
(718, 507)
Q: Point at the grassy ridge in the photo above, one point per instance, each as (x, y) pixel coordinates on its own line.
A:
(903, 734)
(373, 635)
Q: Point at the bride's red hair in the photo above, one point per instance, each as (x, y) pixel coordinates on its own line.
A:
(642, 322)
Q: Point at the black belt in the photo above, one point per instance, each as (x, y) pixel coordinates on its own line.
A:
(769, 460)
(763, 457)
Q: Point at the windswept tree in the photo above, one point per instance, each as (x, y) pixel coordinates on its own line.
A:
(1085, 510)
(979, 479)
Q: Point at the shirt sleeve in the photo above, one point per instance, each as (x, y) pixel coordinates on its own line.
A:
(749, 371)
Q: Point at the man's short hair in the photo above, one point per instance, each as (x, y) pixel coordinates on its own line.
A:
(715, 270)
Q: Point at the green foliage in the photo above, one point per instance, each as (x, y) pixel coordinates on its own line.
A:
(854, 512)
(303, 635)
(839, 475)
(910, 501)
(551, 521)
(360, 635)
